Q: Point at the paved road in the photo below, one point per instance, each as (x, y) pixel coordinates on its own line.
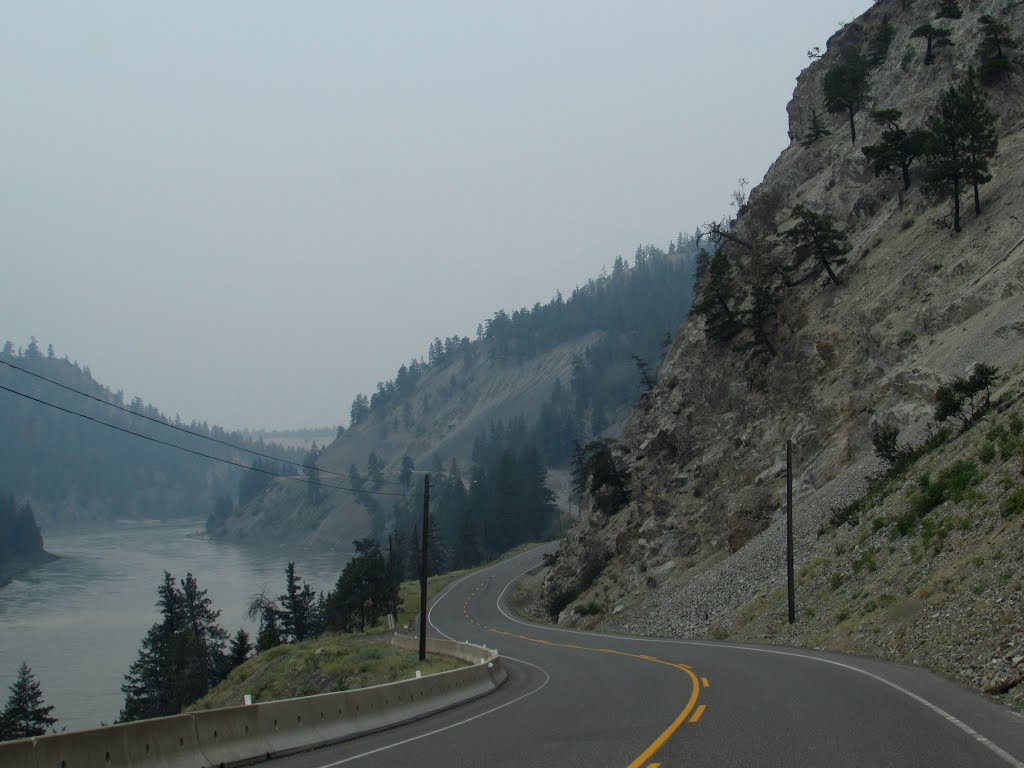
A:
(584, 699)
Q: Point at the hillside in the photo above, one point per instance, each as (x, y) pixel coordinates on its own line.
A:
(698, 551)
(74, 470)
(564, 370)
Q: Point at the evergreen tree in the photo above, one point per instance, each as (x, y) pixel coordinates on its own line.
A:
(173, 668)
(405, 471)
(374, 468)
(414, 556)
(240, 649)
(718, 294)
(961, 141)
(996, 41)
(25, 715)
(817, 130)
(467, 553)
(898, 149)
(201, 619)
(935, 37)
(816, 236)
(314, 493)
(949, 9)
(761, 317)
(364, 591)
(847, 86)
(270, 631)
(298, 608)
(879, 46)
(980, 138)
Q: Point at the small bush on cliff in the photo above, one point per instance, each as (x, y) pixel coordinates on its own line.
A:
(596, 470)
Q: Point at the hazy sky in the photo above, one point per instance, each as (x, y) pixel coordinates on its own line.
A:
(247, 212)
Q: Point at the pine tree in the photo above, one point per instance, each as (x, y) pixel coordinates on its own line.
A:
(718, 295)
(25, 714)
(240, 649)
(961, 141)
(935, 37)
(995, 42)
(817, 131)
(270, 632)
(405, 471)
(898, 149)
(980, 138)
(878, 49)
(172, 669)
(847, 86)
(201, 619)
(949, 9)
(314, 493)
(298, 607)
(816, 235)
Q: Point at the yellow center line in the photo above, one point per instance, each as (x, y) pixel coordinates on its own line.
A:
(683, 716)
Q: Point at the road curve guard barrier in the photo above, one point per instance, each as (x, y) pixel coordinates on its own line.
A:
(222, 738)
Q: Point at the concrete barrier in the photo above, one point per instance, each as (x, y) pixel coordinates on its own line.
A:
(164, 742)
(18, 754)
(232, 736)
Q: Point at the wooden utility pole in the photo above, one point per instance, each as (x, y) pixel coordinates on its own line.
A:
(789, 532)
(423, 568)
(391, 578)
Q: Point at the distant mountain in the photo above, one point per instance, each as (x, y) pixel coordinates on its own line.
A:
(73, 469)
(560, 372)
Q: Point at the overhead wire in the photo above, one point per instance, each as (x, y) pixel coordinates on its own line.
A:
(195, 452)
(180, 428)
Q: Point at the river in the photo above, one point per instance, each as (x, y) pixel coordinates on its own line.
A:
(78, 621)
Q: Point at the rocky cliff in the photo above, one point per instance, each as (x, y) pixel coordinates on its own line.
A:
(698, 550)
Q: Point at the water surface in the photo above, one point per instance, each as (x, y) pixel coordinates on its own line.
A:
(78, 621)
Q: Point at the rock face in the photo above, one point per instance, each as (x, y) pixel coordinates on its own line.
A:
(918, 304)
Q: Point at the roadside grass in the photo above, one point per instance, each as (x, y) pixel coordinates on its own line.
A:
(330, 662)
(336, 661)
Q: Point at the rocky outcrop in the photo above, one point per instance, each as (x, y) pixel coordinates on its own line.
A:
(701, 539)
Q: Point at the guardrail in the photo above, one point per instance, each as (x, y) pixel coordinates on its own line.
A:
(232, 736)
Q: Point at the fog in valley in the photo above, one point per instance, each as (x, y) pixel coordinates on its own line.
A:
(248, 213)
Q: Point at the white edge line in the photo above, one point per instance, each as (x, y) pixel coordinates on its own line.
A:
(1002, 753)
(547, 679)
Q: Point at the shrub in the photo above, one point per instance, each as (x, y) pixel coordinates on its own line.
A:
(987, 454)
(589, 609)
(966, 399)
(1014, 503)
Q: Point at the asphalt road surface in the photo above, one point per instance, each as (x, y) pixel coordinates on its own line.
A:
(590, 699)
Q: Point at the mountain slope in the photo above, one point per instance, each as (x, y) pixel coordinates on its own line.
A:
(73, 469)
(565, 369)
(918, 305)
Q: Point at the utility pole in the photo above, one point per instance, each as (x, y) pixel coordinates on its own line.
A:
(391, 578)
(789, 532)
(423, 568)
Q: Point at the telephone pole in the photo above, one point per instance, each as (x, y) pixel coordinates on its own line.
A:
(791, 588)
(423, 568)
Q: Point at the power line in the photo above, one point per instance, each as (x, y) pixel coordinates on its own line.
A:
(183, 429)
(194, 452)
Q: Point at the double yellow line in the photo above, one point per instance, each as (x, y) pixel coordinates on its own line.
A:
(691, 712)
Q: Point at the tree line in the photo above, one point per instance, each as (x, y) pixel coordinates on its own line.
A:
(63, 459)
(634, 305)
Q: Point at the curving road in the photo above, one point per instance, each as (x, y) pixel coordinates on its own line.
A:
(588, 699)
